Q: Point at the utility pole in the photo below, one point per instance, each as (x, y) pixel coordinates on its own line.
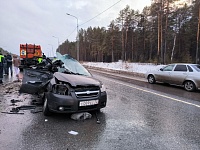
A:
(158, 52)
(77, 38)
(197, 58)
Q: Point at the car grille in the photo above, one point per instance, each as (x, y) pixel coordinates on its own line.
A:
(87, 92)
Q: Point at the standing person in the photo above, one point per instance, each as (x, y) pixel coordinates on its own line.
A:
(9, 64)
(16, 63)
(1, 67)
(5, 65)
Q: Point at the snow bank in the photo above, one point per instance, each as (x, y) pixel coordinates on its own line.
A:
(124, 66)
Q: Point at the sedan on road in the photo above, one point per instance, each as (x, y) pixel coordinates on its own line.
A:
(186, 75)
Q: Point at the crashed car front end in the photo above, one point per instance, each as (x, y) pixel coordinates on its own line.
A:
(75, 94)
(66, 86)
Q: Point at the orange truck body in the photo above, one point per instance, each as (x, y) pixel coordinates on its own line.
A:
(29, 54)
(30, 51)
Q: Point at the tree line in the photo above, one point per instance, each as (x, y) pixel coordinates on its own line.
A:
(162, 33)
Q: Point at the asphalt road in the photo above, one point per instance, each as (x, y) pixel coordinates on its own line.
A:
(159, 117)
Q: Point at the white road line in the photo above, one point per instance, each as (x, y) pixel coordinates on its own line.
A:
(174, 99)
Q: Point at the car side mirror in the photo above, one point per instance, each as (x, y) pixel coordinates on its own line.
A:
(161, 69)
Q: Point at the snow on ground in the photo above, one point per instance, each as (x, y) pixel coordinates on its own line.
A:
(125, 66)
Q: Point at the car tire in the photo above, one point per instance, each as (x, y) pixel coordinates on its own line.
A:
(151, 79)
(46, 110)
(189, 86)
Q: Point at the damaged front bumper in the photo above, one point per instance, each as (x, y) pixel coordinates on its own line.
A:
(71, 104)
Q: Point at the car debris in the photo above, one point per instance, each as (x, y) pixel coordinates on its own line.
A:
(15, 110)
(73, 132)
(12, 112)
(81, 116)
(13, 101)
(98, 121)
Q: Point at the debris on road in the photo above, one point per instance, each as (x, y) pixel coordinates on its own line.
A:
(81, 116)
(15, 101)
(73, 132)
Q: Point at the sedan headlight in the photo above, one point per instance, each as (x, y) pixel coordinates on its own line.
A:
(103, 89)
(60, 89)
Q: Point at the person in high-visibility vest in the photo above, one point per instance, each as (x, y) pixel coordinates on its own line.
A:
(1, 67)
(39, 60)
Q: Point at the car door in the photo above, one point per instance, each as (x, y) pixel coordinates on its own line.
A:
(35, 81)
(163, 74)
(179, 74)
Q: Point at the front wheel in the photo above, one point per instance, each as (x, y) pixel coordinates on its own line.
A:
(151, 79)
(46, 110)
(189, 86)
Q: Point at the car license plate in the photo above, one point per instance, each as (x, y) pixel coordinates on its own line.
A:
(88, 103)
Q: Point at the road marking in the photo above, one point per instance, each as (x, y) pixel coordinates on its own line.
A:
(174, 99)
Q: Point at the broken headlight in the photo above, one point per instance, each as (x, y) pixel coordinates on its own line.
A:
(103, 89)
(61, 89)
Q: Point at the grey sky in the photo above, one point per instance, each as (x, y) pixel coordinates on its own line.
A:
(36, 21)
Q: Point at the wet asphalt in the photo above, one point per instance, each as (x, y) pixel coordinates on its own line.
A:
(136, 117)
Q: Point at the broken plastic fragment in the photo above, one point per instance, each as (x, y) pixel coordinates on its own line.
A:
(73, 132)
(81, 116)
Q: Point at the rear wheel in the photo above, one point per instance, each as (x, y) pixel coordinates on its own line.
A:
(151, 79)
(189, 86)
(46, 110)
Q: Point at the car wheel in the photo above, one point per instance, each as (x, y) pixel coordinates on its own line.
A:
(46, 111)
(151, 79)
(189, 86)
(41, 98)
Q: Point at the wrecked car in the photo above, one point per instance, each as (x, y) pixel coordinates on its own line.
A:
(65, 86)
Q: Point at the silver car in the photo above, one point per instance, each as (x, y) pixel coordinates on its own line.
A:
(186, 75)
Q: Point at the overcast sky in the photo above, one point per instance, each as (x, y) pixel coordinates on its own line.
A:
(37, 21)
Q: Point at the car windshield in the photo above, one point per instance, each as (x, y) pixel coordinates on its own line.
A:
(71, 65)
(196, 67)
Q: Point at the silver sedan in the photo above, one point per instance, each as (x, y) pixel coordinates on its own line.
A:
(186, 75)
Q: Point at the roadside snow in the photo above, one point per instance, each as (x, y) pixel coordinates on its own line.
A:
(124, 66)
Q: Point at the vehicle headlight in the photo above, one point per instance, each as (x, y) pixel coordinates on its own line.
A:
(60, 89)
(103, 89)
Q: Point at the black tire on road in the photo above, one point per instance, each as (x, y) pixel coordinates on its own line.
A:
(189, 86)
(46, 110)
(151, 79)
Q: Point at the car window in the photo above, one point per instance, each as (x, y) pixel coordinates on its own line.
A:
(168, 68)
(182, 68)
(190, 69)
(196, 67)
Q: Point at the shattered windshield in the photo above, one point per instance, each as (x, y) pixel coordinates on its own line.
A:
(71, 65)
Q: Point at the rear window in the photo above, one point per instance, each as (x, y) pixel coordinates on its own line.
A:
(181, 68)
(196, 67)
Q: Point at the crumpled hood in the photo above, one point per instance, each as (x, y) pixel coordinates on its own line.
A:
(76, 80)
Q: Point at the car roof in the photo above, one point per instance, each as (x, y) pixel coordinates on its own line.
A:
(183, 64)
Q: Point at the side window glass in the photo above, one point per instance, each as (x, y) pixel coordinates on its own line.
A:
(190, 69)
(182, 68)
(168, 68)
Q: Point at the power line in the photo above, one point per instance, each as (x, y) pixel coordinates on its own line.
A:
(71, 33)
(94, 17)
(100, 13)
